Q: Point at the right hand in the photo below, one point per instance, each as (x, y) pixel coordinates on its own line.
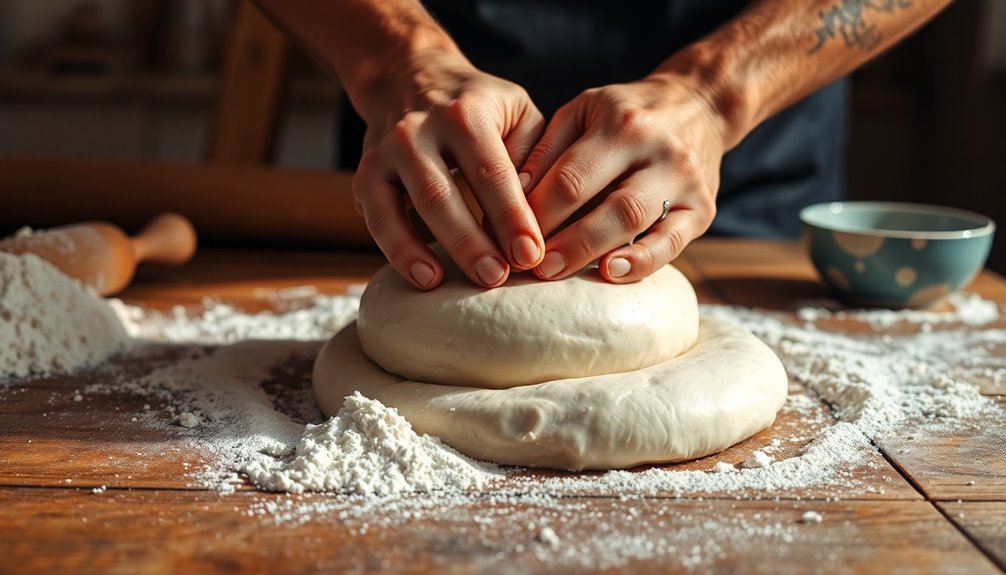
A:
(435, 113)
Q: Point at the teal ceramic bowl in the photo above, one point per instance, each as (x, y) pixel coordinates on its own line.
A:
(893, 254)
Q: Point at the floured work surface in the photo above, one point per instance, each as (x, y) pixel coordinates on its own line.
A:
(178, 419)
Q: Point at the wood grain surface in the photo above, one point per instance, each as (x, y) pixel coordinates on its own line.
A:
(175, 531)
(984, 522)
(904, 515)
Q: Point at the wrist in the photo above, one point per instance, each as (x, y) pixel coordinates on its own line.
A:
(713, 73)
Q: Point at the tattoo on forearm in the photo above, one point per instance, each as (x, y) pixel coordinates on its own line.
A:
(848, 20)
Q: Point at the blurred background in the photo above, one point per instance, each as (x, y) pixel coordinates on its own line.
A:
(169, 80)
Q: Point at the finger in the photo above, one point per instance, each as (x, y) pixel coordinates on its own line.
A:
(559, 134)
(662, 244)
(439, 203)
(490, 173)
(582, 171)
(624, 214)
(522, 138)
(383, 208)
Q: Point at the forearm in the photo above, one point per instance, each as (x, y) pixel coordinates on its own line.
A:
(361, 41)
(778, 51)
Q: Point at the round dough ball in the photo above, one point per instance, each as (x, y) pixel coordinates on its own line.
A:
(527, 331)
(724, 389)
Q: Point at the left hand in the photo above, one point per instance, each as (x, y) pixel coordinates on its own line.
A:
(621, 151)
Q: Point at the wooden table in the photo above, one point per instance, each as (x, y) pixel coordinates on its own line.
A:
(927, 514)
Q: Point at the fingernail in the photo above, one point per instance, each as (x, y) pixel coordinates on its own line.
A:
(489, 270)
(525, 251)
(552, 264)
(525, 179)
(619, 267)
(423, 273)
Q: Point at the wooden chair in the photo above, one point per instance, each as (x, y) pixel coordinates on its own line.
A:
(251, 85)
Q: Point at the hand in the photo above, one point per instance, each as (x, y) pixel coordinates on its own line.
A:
(617, 153)
(439, 113)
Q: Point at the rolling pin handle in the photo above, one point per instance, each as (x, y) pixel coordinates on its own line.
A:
(168, 239)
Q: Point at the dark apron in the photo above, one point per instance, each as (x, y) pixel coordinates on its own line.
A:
(556, 49)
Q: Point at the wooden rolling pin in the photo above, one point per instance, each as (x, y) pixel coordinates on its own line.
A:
(101, 256)
(230, 204)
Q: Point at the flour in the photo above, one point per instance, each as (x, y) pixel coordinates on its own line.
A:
(882, 383)
(222, 323)
(50, 323)
(368, 448)
(757, 459)
(968, 309)
(723, 467)
(811, 517)
(548, 537)
(188, 419)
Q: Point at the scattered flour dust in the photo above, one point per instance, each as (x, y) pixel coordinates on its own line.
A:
(235, 387)
(968, 309)
(222, 323)
(50, 323)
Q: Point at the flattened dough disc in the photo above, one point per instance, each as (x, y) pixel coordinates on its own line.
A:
(727, 387)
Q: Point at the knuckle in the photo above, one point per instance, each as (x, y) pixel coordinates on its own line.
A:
(646, 262)
(676, 241)
(541, 152)
(463, 243)
(567, 110)
(433, 194)
(456, 109)
(362, 182)
(522, 95)
(606, 96)
(493, 174)
(359, 186)
(405, 131)
(630, 211)
(706, 211)
(465, 110)
(584, 246)
(379, 220)
(507, 214)
(395, 250)
(687, 164)
(633, 123)
(569, 181)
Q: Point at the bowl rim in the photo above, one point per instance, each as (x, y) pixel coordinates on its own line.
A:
(983, 225)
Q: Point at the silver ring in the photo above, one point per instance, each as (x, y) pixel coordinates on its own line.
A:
(666, 210)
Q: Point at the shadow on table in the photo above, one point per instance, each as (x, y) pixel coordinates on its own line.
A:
(778, 294)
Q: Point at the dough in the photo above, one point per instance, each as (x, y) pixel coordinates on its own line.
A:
(727, 387)
(526, 331)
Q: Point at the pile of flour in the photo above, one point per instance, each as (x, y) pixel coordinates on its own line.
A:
(50, 323)
(368, 448)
